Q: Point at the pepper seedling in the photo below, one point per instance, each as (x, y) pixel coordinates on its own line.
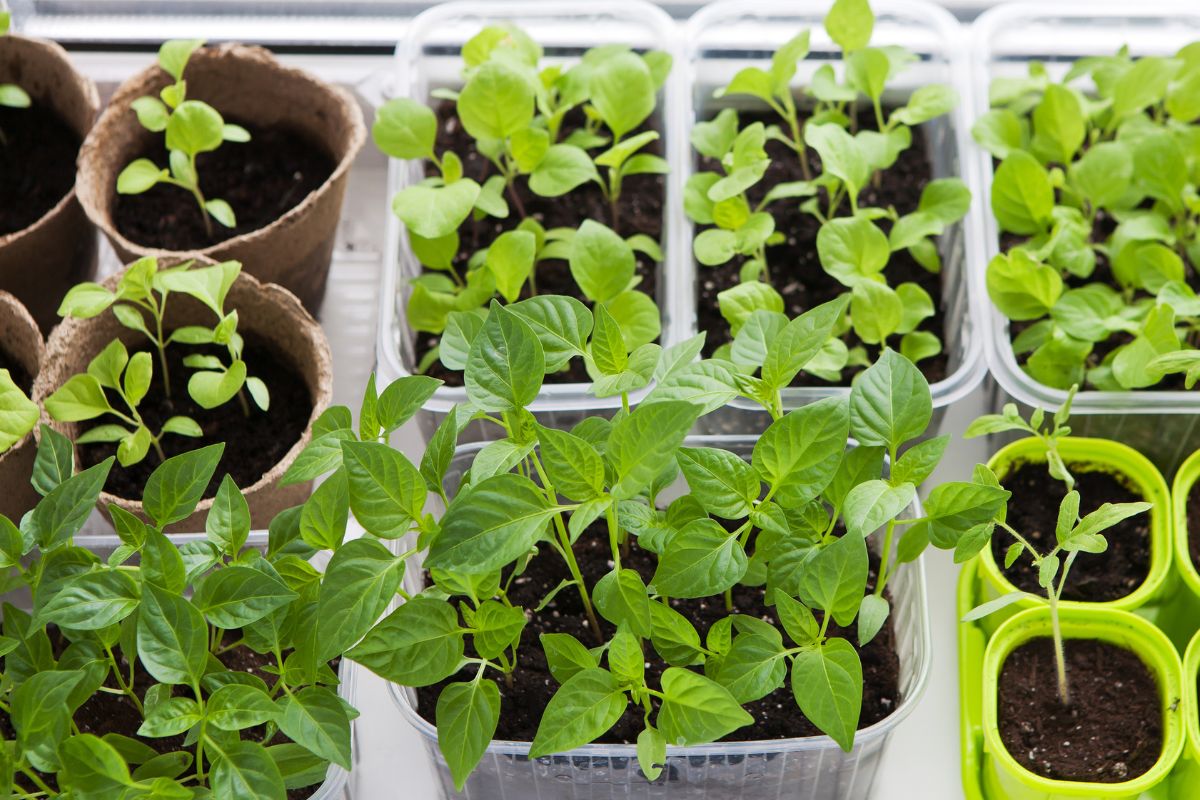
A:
(164, 630)
(853, 249)
(11, 95)
(1093, 175)
(191, 127)
(18, 414)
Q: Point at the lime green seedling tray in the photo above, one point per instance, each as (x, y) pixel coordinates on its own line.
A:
(972, 641)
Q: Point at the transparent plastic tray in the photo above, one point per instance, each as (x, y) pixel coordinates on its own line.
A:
(724, 37)
(428, 58)
(1161, 424)
(814, 768)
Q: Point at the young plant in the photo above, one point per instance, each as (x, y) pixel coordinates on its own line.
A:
(140, 304)
(1050, 435)
(797, 516)
(1073, 535)
(853, 249)
(514, 110)
(191, 127)
(1099, 175)
(18, 414)
(11, 95)
(153, 627)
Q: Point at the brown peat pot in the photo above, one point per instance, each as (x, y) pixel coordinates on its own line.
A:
(41, 261)
(249, 86)
(21, 342)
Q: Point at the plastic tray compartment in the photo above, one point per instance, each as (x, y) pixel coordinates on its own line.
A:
(814, 768)
(727, 36)
(429, 58)
(1160, 424)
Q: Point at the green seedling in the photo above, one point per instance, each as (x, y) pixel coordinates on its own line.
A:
(1099, 174)
(18, 414)
(1050, 434)
(11, 95)
(153, 625)
(191, 127)
(854, 249)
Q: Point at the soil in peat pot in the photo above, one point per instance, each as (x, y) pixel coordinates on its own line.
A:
(1112, 730)
(106, 713)
(16, 371)
(640, 210)
(1033, 511)
(776, 716)
(796, 271)
(261, 179)
(37, 164)
(254, 443)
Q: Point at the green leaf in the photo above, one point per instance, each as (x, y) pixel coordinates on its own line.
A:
(506, 365)
(644, 442)
(561, 324)
(890, 402)
(243, 769)
(850, 23)
(18, 414)
(799, 453)
(836, 578)
(386, 492)
(228, 521)
(171, 717)
(601, 262)
(436, 211)
(496, 102)
(139, 176)
(566, 656)
(620, 597)
(754, 666)
(91, 601)
(926, 103)
(1059, 124)
(41, 716)
(1022, 288)
(55, 460)
(852, 249)
(194, 127)
(673, 636)
(701, 559)
(174, 489)
(418, 644)
(360, 581)
(315, 718)
(467, 715)
(651, 753)
(715, 137)
(1022, 195)
(1158, 336)
(80, 398)
(876, 311)
(574, 466)
(1144, 84)
(235, 707)
(497, 627)
(872, 504)
(1103, 173)
(490, 524)
(841, 156)
(60, 515)
(563, 169)
(234, 596)
(510, 258)
(581, 711)
(800, 342)
(93, 767)
(721, 480)
(1000, 132)
(172, 638)
(827, 683)
(956, 507)
(739, 302)
(622, 90)
(173, 55)
(696, 710)
(638, 317)
(405, 128)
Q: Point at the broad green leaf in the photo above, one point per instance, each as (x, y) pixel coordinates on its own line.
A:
(436, 211)
(561, 324)
(235, 596)
(490, 524)
(1021, 287)
(1059, 124)
(506, 365)
(360, 581)
(622, 91)
(721, 480)
(889, 402)
(574, 466)
(172, 638)
(496, 102)
(566, 656)
(852, 249)
(315, 718)
(827, 683)
(644, 442)
(872, 504)
(836, 578)
(799, 453)
(242, 769)
(235, 707)
(696, 710)
(1022, 195)
(418, 644)
(620, 597)
(228, 521)
(386, 492)
(66, 507)
(702, 559)
(562, 169)
(582, 709)
(800, 342)
(404, 128)
(174, 489)
(467, 715)
(601, 262)
(92, 600)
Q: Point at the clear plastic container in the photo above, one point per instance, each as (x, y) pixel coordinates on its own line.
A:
(727, 36)
(814, 767)
(428, 58)
(1160, 424)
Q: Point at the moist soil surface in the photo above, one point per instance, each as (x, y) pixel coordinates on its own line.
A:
(253, 444)
(1193, 519)
(640, 210)
(37, 164)
(105, 713)
(1033, 511)
(261, 179)
(20, 377)
(1112, 729)
(776, 716)
(796, 271)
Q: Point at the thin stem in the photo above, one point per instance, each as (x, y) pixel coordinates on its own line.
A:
(38, 782)
(886, 558)
(614, 535)
(1060, 665)
(125, 688)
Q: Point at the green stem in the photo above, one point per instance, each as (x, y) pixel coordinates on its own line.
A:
(38, 782)
(125, 688)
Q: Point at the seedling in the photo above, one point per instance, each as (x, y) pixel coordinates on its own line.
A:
(798, 518)
(11, 95)
(1050, 435)
(853, 249)
(140, 304)
(175, 611)
(514, 109)
(1102, 175)
(191, 127)
(18, 414)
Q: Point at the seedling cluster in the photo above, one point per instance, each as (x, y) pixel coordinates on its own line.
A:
(855, 241)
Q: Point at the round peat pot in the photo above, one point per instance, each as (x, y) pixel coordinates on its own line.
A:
(1184, 612)
(1084, 455)
(268, 314)
(813, 767)
(1004, 777)
(42, 260)
(248, 86)
(20, 343)
(1187, 774)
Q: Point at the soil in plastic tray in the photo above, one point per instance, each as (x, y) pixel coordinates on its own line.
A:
(261, 179)
(796, 271)
(1033, 512)
(1112, 729)
(1193, 522)
(640, 210)
(776, 716)
(254, 443)
(106, 713)
(37, 164)
(20, 377)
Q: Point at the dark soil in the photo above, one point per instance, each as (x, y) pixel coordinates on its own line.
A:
(776, 715)
(1112, 730)
(106, 713)
(640, 210)
(1193, 523)
(1033, 511)
(37, 164)
(16, 371)
(796, 271)
(261, 179)
(253, 444)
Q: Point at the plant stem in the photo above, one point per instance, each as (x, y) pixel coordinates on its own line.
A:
(125, 688)
(38, 782)
(614, 535)
(885, 560)
(1060, 665)
(729, 600)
